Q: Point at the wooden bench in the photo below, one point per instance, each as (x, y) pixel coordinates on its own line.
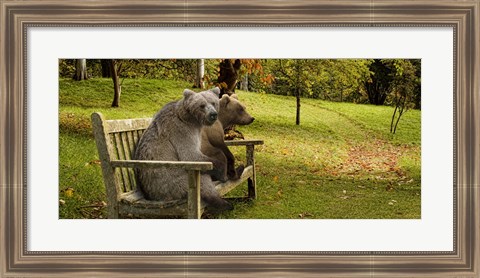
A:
(116, 141)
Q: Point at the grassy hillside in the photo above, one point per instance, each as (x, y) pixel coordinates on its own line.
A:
(340, 163)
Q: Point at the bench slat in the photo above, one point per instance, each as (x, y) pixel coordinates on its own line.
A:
(126, 125)
(224, 188)
(187, 165)
(129, 210)
(127, 151)
(133, 203)
(121, 156)
(136, 197)
(131, 144)
(243, 142)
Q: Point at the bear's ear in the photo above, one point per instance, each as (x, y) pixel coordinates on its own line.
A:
(234, 96)
(187, 93)
(225, 99)
(216, 91)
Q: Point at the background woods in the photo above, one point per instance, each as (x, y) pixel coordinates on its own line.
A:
(391, 82)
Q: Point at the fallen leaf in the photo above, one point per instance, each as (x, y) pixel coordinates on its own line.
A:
(61, 202)
(69, 192)
(280, 193)
(93, 162)
(305, 214)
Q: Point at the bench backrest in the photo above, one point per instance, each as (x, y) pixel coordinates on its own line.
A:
(116, 140)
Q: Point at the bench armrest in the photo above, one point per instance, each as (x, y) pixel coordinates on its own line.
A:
(187, 165)
(243, 142)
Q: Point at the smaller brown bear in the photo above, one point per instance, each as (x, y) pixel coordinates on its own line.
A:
(231, 112)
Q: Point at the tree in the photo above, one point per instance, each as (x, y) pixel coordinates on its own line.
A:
(106, 68)
(244, 82)
(228, 75)
(298, 89)
(200, 73)
(378, 86)
(405, 88)
(328, 79)
(116, 69)
(180, 69)
(80, 70)
(343, 79)
(295, 77)
(417, 98)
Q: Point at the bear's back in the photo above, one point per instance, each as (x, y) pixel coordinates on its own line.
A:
(155, 143)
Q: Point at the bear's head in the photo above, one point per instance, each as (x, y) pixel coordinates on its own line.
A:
(233, 112)
(201, 107)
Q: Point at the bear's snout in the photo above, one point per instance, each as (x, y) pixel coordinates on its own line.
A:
(248, 121)
(212, 116)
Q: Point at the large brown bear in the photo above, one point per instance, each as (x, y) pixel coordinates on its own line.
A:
(174, 135)
(232, 112)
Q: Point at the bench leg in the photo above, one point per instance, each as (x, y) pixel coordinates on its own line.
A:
(194, 207)
(252, 182)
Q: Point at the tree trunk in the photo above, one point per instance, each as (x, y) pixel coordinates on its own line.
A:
(400, 113)
(80, 70)
(297, 92)
(199, 83)
(244, 83)
(114, 68)
(106, 68)
(393, 118)
(376, 94)
(297, 118)
(228, 76)
(401, 109)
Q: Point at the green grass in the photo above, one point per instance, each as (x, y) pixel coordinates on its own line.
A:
(340, 163)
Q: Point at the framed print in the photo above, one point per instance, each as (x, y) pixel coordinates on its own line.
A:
(39, 41)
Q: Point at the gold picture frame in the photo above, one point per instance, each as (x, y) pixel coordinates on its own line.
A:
(18, 16)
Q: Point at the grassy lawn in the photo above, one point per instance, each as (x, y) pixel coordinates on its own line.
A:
(340, 163)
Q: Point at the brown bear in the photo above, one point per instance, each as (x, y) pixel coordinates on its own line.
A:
(175, 135)
(232, 112)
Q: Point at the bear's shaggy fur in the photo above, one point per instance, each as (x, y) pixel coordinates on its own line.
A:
(232, 112)
(174, 135)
